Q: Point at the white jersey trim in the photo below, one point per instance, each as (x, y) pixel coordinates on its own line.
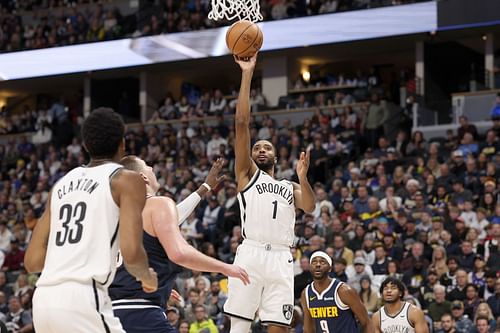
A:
(252, 181)
(320, 296)
(338, 300)
(307, 296)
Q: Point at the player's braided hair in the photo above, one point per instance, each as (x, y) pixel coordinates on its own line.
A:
(102, 133)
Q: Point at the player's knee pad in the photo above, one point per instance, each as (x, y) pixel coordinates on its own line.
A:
(240, 325)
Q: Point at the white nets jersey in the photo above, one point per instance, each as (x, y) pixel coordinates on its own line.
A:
(399, 323)
(83, 239)
(267, 210)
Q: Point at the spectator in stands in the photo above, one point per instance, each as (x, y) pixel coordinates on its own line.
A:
(472, 300)
(202, 323)
(426, 292)
(303, 279)
(213, 146)
(482, 325)
(215, 300)
(380, 266)
(341, 251)
(463, 323)
(484, 311)
(173, 316)
(417, 145)
(447, 324)
(369, 295)
(466, 258)
(466, 127)
(440, 306)
(339, 266)
(18, 319)
(373, 121)
(14, 260)
(458, 293)
(355, 275)
(494, 300)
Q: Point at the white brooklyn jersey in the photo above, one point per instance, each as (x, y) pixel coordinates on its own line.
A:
(83, 239)
(399, 323)
(267, 210)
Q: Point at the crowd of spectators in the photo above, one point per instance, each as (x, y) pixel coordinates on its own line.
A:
(21, 28)
(426, 211)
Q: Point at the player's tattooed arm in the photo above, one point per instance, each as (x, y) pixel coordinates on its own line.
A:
(34, 259)
(303, 192)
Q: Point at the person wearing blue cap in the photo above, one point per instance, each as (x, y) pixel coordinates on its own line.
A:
(329, 304)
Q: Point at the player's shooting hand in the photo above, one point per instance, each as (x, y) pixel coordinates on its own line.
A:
(303, 165)
(150, 282)
(237, 272)
(214, 177)
(246, 64)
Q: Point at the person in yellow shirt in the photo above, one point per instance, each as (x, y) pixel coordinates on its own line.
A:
(202, 323)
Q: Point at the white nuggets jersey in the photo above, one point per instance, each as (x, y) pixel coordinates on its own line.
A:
(83, 239)
(400, 323)
(267, 210)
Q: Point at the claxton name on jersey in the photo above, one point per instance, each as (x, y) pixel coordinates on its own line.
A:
(275, 188)
(82, 184)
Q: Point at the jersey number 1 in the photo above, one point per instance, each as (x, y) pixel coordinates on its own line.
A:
(275, 210)
(71, 218)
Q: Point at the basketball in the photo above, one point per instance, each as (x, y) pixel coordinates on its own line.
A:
(244, 38)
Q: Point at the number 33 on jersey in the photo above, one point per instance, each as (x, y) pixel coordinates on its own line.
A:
(83, 227)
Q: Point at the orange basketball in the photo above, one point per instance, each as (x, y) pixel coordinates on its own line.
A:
(244, 38)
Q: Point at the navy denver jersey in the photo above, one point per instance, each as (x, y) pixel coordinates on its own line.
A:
(327, 310)
(125, 286)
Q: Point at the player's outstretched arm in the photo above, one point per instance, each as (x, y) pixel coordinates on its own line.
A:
(303, 192)
(187, 206)
(308, 321)
(416, 317)
(34, 259)
(376, 321)
(129, 192)
(244, 165)
(349, 296)
(164, 222)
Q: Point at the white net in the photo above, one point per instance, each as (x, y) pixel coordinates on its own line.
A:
(235, 9)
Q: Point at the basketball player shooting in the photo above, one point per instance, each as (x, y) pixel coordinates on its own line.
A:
(329, 304)
(397, 315)
(268, 218)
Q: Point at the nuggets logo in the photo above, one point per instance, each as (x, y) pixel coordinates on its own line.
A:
(288, 311)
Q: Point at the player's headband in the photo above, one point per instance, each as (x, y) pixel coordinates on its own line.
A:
(322, 255)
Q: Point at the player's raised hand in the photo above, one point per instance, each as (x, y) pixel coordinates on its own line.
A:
(175, 296)
(214, 177)
(246, 64)
(150, 281)
(303, 165)
(237, 272)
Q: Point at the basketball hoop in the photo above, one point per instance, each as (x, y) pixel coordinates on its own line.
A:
(235, 9)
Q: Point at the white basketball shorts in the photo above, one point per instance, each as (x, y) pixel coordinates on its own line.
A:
(74, 307)
(270, 292)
